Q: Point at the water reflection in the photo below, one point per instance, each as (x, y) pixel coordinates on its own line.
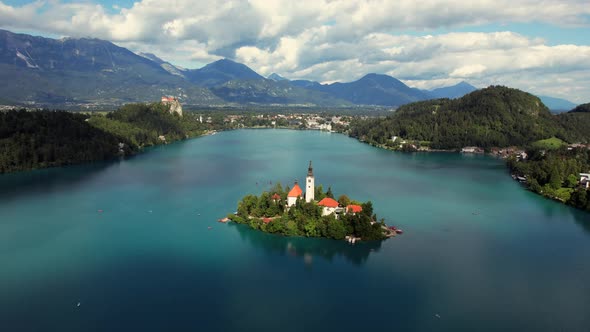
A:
(582, 218)
(308, 248)
(44, 181)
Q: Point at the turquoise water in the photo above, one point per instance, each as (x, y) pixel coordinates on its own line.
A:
(478, 253)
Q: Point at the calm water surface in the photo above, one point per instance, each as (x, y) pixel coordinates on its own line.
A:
(478, 253)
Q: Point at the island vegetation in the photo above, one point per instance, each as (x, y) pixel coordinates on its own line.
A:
(269, 213)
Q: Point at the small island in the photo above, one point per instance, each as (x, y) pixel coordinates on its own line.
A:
(316, 213)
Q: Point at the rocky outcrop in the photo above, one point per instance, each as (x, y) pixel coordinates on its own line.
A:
(173, 105)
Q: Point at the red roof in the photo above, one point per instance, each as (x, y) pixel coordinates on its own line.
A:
(296, 191)
(354, 208)
(266, 220)
(328, 202)
(276, 197)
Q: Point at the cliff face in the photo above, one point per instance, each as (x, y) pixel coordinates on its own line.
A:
(173, 105)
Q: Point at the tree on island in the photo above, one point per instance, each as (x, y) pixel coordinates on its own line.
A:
(344, 200)
(329, 193)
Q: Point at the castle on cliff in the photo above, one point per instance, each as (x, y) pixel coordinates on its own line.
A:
(173, 105)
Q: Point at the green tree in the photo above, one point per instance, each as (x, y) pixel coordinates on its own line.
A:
(329, 193)
(319, 193)
(571, 181)
(343, 200)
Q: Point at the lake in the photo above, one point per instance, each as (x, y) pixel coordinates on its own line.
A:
(135, 244)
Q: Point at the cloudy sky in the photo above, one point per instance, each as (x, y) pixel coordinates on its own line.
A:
(541, 46)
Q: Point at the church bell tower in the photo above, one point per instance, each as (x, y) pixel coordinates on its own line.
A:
(309, 185)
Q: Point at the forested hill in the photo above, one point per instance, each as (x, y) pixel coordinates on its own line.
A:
(38, 139)
(496, 116)
(584, 108)
(576, 123)
(43, 139)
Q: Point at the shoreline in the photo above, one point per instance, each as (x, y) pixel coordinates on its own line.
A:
(490, 154)
(145, 149)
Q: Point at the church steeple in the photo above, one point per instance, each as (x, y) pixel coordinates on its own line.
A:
(309, 185)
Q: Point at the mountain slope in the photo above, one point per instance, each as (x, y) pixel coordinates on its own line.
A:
(220, 72)
(276, 77)
(44, 70)
(374, 89)
(583, 108)
(167, 66)
(307, 84)
(454, 91)
(495, 116)
(271, 92)
(557, 105)
(576, 123)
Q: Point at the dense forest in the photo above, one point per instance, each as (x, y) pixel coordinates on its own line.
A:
(305, 219)
(143, 124)
(37, 139)
(31, 140)
(493, 117)
(576, 123)
(555, 174)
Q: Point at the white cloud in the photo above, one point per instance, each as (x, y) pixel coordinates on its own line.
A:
(337, 40)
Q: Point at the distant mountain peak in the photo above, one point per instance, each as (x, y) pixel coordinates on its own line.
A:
(454, 91)
(151, 56)
(372, 76)
(220, 72)
(225, 63)
(557, 105)
(465, 84)
(276, 77)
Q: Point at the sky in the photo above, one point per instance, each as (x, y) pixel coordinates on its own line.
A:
(540, 46)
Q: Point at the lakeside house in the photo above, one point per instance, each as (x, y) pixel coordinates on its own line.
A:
(585, 180)
(329, 205)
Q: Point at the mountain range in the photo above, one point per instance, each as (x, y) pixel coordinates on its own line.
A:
(94, 73)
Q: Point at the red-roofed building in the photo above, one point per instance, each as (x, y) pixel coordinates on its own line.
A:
(329, 206)
(166, 99)
(294, 194)
(328, 202)
(354, 209)
(266, 220)
(276, 197)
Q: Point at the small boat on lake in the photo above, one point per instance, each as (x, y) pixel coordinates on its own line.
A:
(226, 219)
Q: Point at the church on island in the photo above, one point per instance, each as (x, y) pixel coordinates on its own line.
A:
(329, 205)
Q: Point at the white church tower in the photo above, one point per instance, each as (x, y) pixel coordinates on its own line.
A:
(309, 185)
